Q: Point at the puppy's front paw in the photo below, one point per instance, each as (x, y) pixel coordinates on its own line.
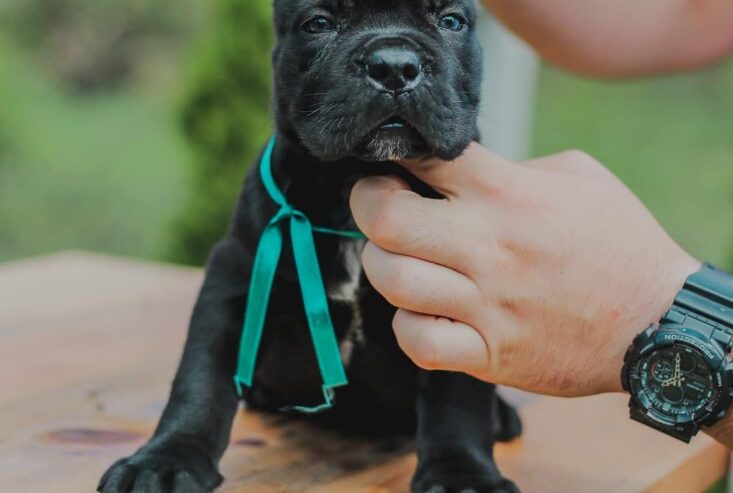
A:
(451, 472)
(463, 484)
(165, 468)
(509, 425)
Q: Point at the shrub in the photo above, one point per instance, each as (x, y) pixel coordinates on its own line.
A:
(225, 119)
(93, 45)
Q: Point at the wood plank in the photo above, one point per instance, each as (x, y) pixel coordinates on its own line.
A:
(88, 357)
(45, 289)
(83, 384)
(589, 444)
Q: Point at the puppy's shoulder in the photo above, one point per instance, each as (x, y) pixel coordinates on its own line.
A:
(253, 208)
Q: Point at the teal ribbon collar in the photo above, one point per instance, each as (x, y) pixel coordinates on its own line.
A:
(265, 264)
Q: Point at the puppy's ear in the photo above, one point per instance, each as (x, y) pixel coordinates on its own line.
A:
(280, 19)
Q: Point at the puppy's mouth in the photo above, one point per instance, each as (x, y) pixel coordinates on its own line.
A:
(394, 138)
(394, 123)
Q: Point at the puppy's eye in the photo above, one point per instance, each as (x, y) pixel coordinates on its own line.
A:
(452, 22)
(319, 25)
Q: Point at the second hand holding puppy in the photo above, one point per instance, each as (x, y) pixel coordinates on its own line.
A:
(535, 275)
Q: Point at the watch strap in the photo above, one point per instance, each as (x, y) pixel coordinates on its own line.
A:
(684, 433)
(708, 293)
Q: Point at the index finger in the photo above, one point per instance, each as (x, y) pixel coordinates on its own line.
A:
(476, 165)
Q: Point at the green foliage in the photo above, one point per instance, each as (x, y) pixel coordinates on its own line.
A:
(90, 45)
(667, 138)
(225, 119)
(100, 173)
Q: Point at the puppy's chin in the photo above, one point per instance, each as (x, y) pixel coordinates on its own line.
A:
(390, 144)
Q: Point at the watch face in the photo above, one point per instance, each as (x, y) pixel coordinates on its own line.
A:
(676, 381)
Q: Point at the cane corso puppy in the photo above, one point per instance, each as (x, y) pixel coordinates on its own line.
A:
(357, 83)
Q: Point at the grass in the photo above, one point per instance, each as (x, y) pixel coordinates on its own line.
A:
(669, 139)
(102, 173)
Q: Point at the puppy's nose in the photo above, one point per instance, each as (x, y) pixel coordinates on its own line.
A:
(394, 68)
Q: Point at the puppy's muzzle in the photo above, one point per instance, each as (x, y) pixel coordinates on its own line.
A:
(392, 66)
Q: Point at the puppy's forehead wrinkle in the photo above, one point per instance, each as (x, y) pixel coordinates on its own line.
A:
(288, 5)
(370, 6)
(439, 5)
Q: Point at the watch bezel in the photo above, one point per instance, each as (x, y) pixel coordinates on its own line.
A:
(666, 336)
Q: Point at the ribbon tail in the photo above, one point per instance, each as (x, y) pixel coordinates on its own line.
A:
(267, 257)
(328, 399)
(317, 311)
(356, 235)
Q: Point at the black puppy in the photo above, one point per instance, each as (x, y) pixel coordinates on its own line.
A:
(357, 83)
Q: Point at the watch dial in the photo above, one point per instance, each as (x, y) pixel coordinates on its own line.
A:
(677, 381)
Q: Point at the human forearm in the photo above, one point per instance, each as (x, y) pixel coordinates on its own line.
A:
(622, 37)
(723, 431)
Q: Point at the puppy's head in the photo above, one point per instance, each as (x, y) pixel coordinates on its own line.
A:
(377, 79)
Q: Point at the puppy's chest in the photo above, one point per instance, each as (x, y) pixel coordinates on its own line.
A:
(346, 290)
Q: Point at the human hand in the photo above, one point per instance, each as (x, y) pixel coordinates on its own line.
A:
(535, 275)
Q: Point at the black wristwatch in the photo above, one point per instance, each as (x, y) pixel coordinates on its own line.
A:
(678, 372)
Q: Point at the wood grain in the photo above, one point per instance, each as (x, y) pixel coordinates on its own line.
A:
(89, 344)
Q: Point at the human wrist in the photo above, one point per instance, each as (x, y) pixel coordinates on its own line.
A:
(673, 278)
(667, 283)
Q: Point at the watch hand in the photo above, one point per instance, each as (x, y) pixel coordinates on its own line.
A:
(676, 381)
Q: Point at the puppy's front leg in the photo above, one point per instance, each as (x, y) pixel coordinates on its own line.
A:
(455, 436)
(193, 432)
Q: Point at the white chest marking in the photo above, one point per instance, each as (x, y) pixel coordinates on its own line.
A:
(347, 291)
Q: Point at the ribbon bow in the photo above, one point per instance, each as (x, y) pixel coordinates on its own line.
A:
(266, 260)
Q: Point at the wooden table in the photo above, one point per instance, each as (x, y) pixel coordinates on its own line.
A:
(89, 344)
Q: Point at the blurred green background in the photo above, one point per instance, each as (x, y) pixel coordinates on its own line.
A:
(126, 127)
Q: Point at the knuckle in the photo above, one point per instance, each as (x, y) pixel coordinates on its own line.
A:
(428, 351)
(577, 156)
(578, 159)
(511, 308)
(369, 257)
(399, 322)
(392, 276)
(492, 186)
(506, 347)
(399, 283)
(520, 198)
(385, 224)
(423, 349)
